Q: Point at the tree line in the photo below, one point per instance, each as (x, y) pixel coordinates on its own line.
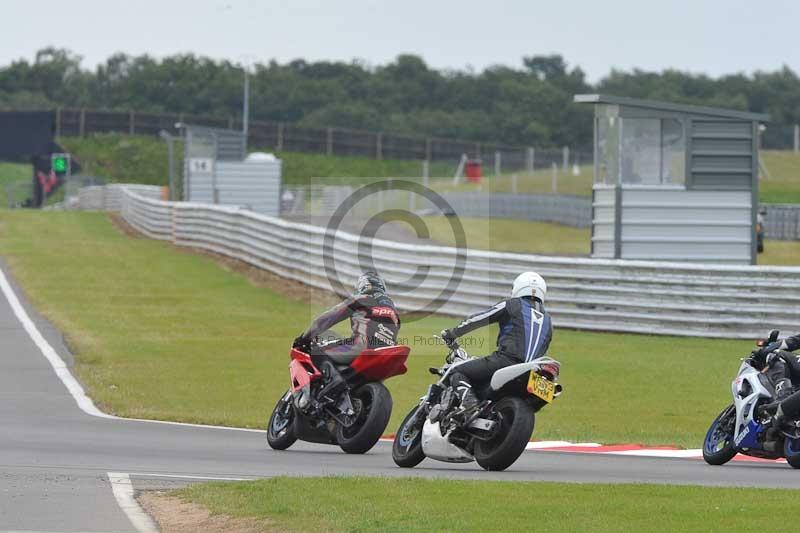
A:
(527, 105)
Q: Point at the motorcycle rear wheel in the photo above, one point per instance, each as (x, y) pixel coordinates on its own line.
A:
(718, 445)
(372, 419)
(280, 428)
(407, 446)
(516, 427)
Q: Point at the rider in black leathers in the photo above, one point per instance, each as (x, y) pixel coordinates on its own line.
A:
(373, 320)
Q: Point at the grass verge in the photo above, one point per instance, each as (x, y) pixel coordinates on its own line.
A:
(14, 173)
(524, 236)
(160, 332)
(404, 504)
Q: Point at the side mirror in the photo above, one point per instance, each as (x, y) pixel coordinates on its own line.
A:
(773, 335)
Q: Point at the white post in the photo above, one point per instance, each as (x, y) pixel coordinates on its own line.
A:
(246, 106)
(555, 178)
(497, 164)
(797, 137)
(426, 172)
(529, 160)
(513, 183)
(565, 157)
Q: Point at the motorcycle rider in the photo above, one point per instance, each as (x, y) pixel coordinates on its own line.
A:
(525, 333)
(783, 368)
(374, 323)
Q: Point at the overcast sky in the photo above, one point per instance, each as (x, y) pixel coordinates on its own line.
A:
(711, 36)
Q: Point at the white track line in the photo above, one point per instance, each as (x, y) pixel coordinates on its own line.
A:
(123, 492)
(182, 476)
(61, 369)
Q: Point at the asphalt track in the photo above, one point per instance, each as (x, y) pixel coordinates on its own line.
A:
(55, 459)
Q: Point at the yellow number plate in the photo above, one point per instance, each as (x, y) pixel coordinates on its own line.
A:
(541, 387)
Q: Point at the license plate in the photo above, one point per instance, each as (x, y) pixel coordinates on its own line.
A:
(541, 387)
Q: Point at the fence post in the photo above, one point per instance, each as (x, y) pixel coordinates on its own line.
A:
(329, 142)
(131, 122)
(565, 157)
(529, 157)
(58, 122)
(379, 146)
(427, 148)
(555, 178)
(497, 164)
(797, 137)
(82, 123)
(279, 143)
(426, 171)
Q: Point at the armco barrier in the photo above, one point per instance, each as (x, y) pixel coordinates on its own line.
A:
(609, 295)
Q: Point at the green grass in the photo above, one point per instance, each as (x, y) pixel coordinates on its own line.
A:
(139, 159)
(506, 235)
(780, 253)
(162, 333)
(404, 504)
(13, 173)
(539, 181)
(783, 186)
(524, 236)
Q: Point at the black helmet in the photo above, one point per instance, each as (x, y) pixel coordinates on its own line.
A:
(370, 282)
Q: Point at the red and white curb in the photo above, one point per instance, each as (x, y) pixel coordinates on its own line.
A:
(635, 450)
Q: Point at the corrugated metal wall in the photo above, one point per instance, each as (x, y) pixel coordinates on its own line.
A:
(255, 185)
(722, 154)
(685, 225)
(603, 203)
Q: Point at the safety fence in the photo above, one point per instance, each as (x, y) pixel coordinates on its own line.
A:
(782, 221)
(606, 295)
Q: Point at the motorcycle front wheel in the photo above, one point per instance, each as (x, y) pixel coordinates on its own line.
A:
(718, 446)
(791, 450)
(373, 410)
(407, 446)
(280, 428)
(516, 420)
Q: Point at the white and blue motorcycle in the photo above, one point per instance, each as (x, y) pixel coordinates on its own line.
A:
(748, 425)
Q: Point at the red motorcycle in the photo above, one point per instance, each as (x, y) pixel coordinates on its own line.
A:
(354, 417)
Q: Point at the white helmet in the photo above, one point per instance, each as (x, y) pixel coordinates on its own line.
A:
(529, 284)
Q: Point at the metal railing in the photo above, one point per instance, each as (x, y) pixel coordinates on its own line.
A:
(605, 295)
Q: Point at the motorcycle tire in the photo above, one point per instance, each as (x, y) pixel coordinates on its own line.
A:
(791, 450)
(513, 435)
(280, 428)
(713, 454)
(371, 421)
(407, 446)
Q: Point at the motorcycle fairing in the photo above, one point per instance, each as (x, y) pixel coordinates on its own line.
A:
(302, 370)
(438, 446)
(747, 389)
(382, 363)
(501, 377)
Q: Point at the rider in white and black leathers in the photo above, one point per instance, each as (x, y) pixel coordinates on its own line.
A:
(784, 367)
(525, 334)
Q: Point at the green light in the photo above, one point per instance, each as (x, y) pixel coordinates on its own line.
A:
(60, 164)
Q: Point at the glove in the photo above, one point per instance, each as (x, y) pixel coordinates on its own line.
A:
(448, 337)
(301, 343)
(764, 355)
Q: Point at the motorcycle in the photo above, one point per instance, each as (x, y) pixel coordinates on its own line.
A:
(353, 417)
(747, 426)
(494, 432)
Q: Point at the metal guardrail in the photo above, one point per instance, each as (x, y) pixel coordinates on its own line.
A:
(605, 295)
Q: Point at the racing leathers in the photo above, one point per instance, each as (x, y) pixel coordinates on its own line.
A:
(525, 334)
(784, 367)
